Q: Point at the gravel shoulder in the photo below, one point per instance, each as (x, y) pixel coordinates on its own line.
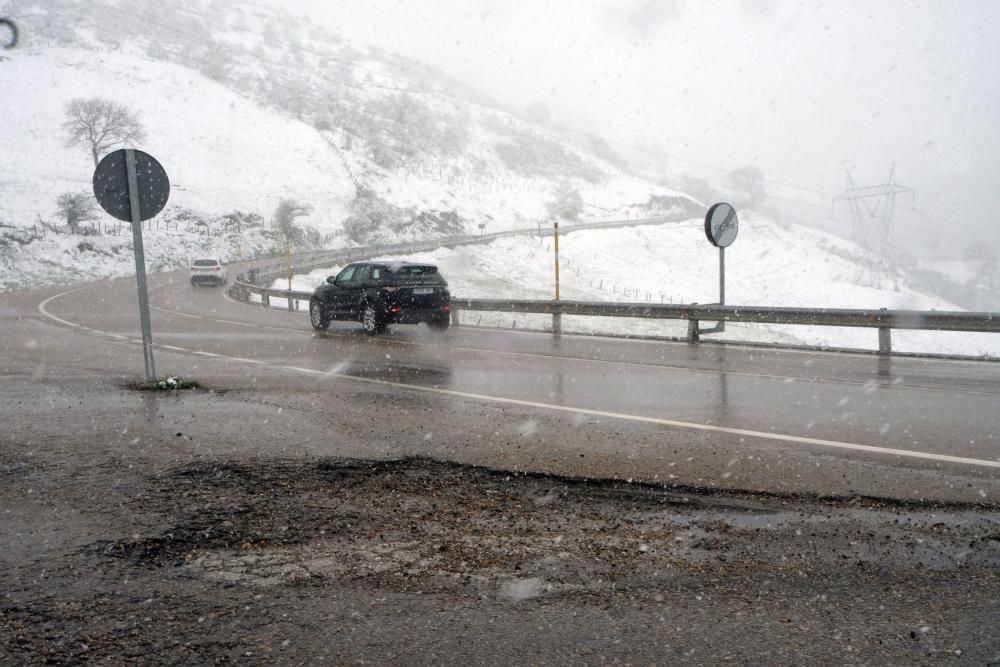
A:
(126, 544)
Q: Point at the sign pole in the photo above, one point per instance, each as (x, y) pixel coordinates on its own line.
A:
(557, 316)
(721, 227)
(722, 276)
(140, 265)
(556, 236)
(243, 264)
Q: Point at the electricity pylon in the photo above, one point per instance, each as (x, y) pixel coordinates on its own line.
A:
(873, 214)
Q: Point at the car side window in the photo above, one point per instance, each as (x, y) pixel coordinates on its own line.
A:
(346, 275)
(376, 273)
(362, 274)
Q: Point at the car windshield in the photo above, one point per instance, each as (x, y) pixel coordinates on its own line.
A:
(412, 271)
(496, 332)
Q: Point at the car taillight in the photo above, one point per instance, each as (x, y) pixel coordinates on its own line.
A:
(395, 309)
(446, 308)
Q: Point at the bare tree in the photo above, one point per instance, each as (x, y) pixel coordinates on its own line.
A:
(566, 204)
(99, 124)
(75, 208)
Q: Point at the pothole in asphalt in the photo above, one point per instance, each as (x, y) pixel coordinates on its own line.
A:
(419, 524)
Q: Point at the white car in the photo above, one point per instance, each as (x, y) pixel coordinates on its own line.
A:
(207, 270)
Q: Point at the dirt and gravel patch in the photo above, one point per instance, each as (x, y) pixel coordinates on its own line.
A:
(416, 561)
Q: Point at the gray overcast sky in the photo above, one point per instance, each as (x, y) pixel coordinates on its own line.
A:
(800, 88)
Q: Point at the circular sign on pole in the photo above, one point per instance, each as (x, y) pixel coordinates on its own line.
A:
(8, 33)
(111, 185)
(721, 225)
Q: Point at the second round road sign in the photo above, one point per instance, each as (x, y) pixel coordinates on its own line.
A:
(721, 225)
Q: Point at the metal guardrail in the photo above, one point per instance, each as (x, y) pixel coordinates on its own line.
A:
(833, 317)
(883, 320)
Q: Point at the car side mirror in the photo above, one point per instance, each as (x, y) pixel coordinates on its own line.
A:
(332, 280)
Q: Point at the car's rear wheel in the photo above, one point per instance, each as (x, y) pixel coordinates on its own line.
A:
(370, 321)
(318, 316)
(439, 324)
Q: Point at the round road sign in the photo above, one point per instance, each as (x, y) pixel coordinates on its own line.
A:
(111, 185)
(8, 33)
(721, 225)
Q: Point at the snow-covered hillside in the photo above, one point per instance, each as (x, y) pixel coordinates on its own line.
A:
(221, 151)
(227, 150)
(769, 265)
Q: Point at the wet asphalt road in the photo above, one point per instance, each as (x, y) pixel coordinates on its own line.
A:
(240, 523)
(687, 414)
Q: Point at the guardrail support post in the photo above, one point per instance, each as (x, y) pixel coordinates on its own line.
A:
(693, 333)
(884, 340)
(556, 324)
(454, 319)
(292, 304)
(265, 300)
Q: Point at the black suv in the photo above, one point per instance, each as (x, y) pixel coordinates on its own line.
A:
(381, 293)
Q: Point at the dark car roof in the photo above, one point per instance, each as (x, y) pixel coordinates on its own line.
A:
(391, 264)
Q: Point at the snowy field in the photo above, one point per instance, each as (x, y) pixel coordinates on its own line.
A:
(769, 265)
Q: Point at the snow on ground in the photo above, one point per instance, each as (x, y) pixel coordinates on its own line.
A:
(769, 265)
(221, 151)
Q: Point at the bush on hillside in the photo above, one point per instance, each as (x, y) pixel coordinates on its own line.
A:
(373, 220)
(75, 208)
(400, 129)
(536, 156)
(371, 217)
(566, 204)
(288, 211)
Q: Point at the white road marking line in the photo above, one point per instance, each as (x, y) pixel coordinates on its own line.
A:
(782, 437)
(44, 311)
